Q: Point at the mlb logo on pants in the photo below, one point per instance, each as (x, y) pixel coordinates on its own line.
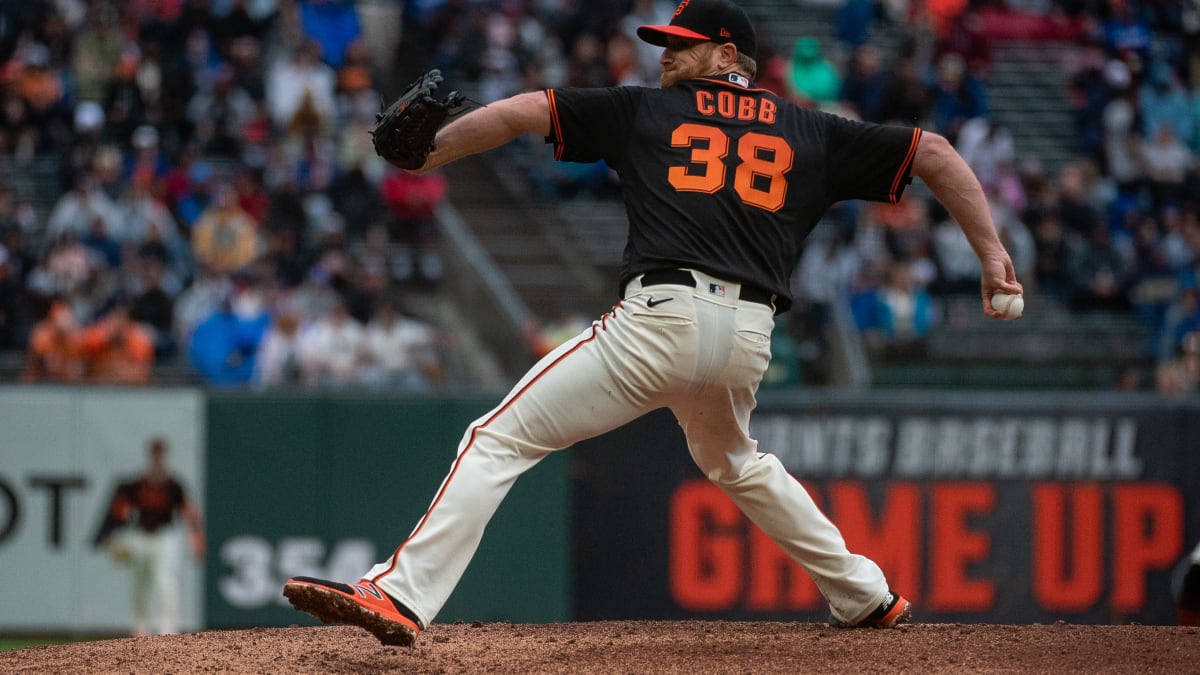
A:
(717, 290)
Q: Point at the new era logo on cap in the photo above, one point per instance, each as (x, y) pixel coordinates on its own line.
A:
(718, 21)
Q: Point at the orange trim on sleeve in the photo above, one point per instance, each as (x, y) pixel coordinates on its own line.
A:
(555, 127)
(893, 195)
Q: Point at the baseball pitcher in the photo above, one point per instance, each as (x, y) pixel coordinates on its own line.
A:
(722, 182)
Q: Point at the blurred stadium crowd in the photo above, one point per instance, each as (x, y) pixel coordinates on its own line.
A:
(221, 205)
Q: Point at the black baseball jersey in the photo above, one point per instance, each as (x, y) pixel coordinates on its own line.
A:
(723, 177)
(149, 505)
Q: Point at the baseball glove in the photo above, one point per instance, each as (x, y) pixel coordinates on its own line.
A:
(119, 552)
(404, 131)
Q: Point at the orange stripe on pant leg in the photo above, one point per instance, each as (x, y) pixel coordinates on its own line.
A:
(470, 444)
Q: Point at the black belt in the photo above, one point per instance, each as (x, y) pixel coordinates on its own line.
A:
(685, 278)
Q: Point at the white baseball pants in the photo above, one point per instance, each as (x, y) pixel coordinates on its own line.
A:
(155, 566)
(698, 351)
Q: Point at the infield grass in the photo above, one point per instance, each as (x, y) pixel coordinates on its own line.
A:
(10, 642)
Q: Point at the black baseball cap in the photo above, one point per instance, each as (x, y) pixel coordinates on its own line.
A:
(717, 21)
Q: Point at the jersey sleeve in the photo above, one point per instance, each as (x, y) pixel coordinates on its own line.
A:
(586, 124)
(869, 161)
(178, 497)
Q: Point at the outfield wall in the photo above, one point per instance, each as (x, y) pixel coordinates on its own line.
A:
(328, 486)
(62, 452)
(982, 507)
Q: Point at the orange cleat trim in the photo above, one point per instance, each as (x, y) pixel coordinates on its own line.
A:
(362, 604)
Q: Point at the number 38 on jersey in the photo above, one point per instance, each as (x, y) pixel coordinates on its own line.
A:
(759, 177)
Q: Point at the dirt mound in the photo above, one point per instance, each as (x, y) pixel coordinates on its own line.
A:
(692, 647)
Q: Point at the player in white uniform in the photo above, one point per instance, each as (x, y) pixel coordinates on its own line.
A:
(722, 182)
(139, 531)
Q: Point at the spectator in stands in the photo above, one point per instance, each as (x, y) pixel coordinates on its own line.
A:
(200, 300)
(153, 232)
(301, 90)
(221, 115)
(125, 105)
(865, 83)
(79, 155)
(54, 353)
(106, 167)
(957, 264)
(48, 104)
(146, 161)
(956, 97)
(967, 36)
(907, 99)
(895, 316)
(1167, 161)
(333, 25)
(241, 19)
(16, 214)
(97, 51)
(1125, 32)
(1052, 253)
(812, 79)
(76, 209)
(852, 22)
(987, 147)
(331, 350)
(587, 66)
(823, 276)
(153, 307)
(1156, 274)
(622, 58)
(117, 349)
(354, 75)
(225, 236)
(943, 14)
(18, 134)
(278, 362)
(106, 249)
(245, 57)
(647, 13)
(1074, 201)
(1122, 145)
(1180, 240)
(1098, 275)
(1164, 101)
(252, 195)
(224, 346)
(772, 66)
(1183, 314)
(901, 232)
(412, 201)
(357, 198)
(1180, 376)
(400, 351)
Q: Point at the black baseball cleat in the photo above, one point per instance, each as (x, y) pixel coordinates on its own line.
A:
(362, 604)
(894, 611)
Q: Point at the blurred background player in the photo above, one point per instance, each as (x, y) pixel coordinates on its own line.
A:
(139, 530)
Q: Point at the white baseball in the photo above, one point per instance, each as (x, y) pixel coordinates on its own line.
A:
(1011, 305)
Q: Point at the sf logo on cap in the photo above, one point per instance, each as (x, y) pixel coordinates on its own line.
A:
(679, 9)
